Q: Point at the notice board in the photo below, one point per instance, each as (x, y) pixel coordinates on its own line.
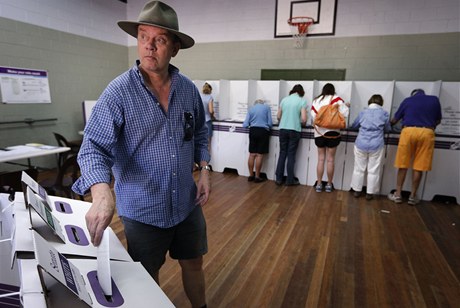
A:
(24, 86)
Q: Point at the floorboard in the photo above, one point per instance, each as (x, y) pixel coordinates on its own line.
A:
(278, 246)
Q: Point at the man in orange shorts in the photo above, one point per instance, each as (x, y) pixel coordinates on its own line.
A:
(420, 114)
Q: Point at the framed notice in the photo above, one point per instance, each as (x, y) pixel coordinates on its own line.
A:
(24, 86)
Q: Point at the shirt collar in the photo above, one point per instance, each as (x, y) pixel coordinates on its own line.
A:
(173, 71)
(374, 106)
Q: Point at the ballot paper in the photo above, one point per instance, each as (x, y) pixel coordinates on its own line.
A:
(103, 264)
(59, 267)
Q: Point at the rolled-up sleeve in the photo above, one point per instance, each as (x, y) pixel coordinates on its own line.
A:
(95, 156)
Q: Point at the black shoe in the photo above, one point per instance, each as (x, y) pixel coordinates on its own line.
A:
(251, 178)
(356, 194)
(278, 182)
(369, 196)
(294, 183)
(259, 180)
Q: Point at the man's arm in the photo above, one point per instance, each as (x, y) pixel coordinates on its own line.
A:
(204, 185)
(101, 211)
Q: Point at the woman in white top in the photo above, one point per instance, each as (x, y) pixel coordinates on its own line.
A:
(327, 139)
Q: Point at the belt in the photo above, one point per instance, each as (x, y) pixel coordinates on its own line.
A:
(429, 127)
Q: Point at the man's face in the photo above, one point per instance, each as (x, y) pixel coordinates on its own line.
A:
(155, 47)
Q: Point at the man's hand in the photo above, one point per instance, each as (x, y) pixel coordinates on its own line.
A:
(101, 211)
(204, 188)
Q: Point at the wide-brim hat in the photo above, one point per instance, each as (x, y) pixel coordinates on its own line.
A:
(157, 14)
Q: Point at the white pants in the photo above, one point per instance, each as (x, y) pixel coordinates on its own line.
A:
(373, 162)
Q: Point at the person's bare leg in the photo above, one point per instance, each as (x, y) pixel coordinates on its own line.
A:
(416, 178)
(400, 181)
(193, 281)
(320, 165)
(259, 161)
(330, 159)
(252, 157)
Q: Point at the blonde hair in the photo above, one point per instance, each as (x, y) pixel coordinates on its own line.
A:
(207, 89)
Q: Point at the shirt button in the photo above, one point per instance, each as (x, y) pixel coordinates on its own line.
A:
(174, 191)
(174, 173)
(173, 155)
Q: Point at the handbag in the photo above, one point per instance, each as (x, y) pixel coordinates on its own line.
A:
(330, 117)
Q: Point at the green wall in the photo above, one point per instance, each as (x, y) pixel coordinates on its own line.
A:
(79, 69)
(422, 57)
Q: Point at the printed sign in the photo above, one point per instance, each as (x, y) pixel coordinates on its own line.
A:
(24, 86)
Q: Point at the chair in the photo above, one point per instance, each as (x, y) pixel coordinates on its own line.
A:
(61, 185)
(63, 142)
(10, 182)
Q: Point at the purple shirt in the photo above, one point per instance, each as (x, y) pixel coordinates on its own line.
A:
(419, 110)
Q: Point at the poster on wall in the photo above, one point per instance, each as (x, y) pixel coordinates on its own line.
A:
(24, 86)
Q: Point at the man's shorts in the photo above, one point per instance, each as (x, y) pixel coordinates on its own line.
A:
(149, 244)
(259, 139)
(322, 142)
(415, 143)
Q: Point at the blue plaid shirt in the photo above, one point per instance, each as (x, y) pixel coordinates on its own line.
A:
(129, 134)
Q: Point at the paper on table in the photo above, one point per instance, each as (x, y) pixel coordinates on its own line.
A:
(103, 264)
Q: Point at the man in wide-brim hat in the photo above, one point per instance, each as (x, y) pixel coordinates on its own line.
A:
(148, 130)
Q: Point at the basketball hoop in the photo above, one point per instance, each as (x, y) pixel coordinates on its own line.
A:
(299, 29)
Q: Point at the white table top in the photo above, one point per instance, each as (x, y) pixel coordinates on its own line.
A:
(28, 151)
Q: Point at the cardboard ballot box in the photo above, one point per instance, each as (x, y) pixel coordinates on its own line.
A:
(75, 282)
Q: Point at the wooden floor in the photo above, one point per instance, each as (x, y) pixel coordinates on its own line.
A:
(277, 246)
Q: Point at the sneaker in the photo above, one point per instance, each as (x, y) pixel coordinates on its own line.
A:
(369, 196)
(356, 194)
(251, 178)
(394, 198)
(279, 182)
(319, 188)
(328, 188)
(413, 200)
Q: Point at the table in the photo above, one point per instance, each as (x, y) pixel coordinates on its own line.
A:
(28, 151)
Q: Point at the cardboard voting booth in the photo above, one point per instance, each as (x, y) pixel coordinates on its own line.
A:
(54, 263)
(9, 273)
(131, 285)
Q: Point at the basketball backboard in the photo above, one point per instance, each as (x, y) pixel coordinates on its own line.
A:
(322, 11)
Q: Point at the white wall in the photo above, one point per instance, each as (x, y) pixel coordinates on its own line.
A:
(234, 20)
(89, 18)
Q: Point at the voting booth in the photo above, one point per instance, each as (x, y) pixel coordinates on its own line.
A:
(52, 262)
(361, 93)
(230, 142)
